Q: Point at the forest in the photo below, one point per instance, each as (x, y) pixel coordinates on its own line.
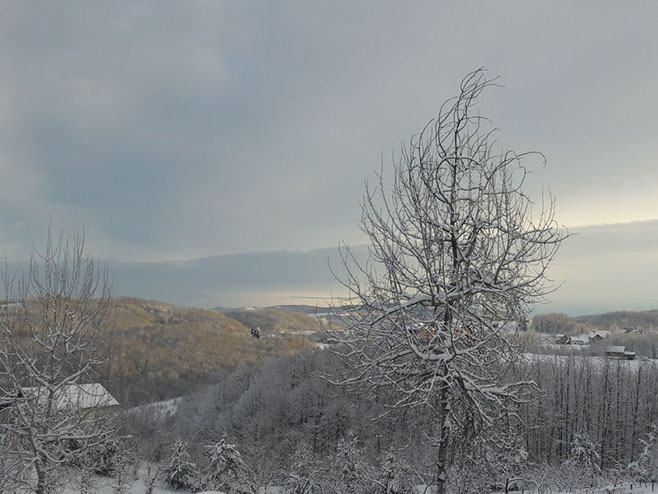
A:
(592, 424)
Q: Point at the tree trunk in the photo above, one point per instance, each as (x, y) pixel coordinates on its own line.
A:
(42, 479)
(444, 436)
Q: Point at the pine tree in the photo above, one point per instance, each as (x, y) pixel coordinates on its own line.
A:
(181, 472)
(225, 466)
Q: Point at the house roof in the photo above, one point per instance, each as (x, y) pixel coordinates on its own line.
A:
(81, 396)
(615, 349)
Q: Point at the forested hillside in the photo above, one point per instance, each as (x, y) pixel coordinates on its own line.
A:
(159, 351)
(289, 421)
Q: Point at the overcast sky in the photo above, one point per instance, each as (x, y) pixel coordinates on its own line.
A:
(179, 130)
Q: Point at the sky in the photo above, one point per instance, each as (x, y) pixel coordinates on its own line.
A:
(175, 131)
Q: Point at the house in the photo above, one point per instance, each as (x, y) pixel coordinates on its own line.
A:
(92, 396)
(614, 351)
(563, 339)
(619, 352)
(597, 338)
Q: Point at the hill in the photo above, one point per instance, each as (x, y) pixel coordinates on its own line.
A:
(159, 351)
(273, 321)
(647, 319)
(307, 310)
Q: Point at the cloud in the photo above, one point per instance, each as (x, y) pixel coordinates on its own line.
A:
(598, 269)
(182, 130)
(607, 267)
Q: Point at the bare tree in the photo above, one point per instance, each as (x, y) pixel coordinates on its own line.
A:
(52, 330)
(458, 255)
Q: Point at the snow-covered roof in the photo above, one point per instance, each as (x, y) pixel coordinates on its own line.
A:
(81, 396)
(615, 349)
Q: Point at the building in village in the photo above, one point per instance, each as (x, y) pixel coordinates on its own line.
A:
(92, 397)
(619, 352)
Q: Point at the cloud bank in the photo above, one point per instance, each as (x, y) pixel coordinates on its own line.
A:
(179, 130)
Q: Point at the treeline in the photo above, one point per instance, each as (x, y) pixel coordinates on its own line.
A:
(623, 319)
(558, 323)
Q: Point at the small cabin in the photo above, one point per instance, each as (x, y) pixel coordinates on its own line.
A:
(563, 339)
(597, 338)
(619, 352)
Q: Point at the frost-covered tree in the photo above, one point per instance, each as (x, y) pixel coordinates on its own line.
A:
(351, 472)
(181, 472)
(582, 465)
(224, 465)
(646, 466)
(107, 459)
(304, 473)
(458, 254)
(393, 476)
(508, 465)
(52, 334)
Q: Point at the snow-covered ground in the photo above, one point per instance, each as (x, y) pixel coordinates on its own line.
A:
(137, 487)
(597, 362)
(620, 489)
(158, 410)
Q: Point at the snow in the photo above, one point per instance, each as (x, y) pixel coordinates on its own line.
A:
(158, 410)
(621, 489)
(81, 396)
(138, 487)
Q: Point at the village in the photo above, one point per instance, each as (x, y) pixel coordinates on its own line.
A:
(596, 340)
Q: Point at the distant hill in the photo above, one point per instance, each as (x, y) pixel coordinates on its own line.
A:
(159, 351)
(647, 319)
(308, 310)
(558, 323)
(273, 321)
(277, 318)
